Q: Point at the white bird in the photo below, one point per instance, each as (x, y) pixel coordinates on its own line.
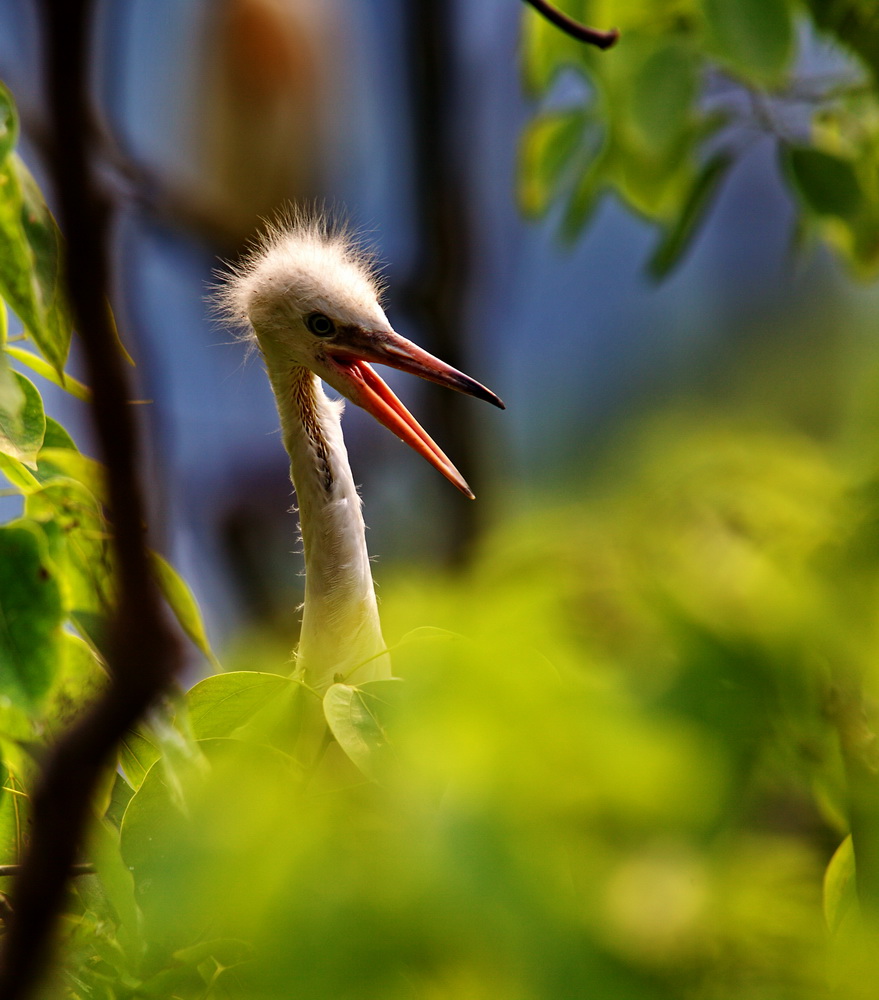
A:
(309, 296)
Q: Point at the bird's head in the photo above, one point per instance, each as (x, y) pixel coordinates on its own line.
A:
(310, 296)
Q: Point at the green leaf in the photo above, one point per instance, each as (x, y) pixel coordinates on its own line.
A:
(70, 464)
(17, 286)
(11, 396)
(57, 436)
(79, 681)
(11, 393)
(21, 434)
(840, 893)
(755, 37)
(8, 122)
(120, 796)
(15, 723)
(52, 335)
(548, 146)
(30, 262)
(183, 604)
(662, 100)
(137, 754)
(43, 368)
(31, 612)
(162, 837)
(679, 237)
(85, 556)
(118, 883)
(221, 704)
(827, 184)
(14, 808)
(18, 474)
(357, 717)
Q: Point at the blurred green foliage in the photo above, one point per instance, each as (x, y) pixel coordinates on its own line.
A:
(624, 761)
(660, 119)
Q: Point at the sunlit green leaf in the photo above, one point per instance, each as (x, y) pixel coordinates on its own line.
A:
(8, 122)
(17, 285)
(79, 680)
(137, 754)
(221, 704)
(159, 832)
(69, 464)
(840, 895)
(11, 394)
(30, 262)
(53, 332)
(85, 559)
(754, 36)
(358, 718)
(31, 612)
(41, 367)
(548, 145)
(14, 806)
(22, 432)
(183, 604)
(120, 796)
(15, 723)
(57, 436)
(18, 474)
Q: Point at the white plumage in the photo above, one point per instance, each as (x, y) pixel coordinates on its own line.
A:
(309, 296)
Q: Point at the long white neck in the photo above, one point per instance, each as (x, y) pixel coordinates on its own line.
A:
(341, 634)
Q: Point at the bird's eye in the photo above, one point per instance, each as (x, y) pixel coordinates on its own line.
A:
(320, 325)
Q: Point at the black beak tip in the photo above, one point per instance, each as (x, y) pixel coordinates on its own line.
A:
(490, 397)
(473, 388)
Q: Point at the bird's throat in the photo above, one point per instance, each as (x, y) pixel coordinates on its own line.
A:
(304, 394)
(341, 634)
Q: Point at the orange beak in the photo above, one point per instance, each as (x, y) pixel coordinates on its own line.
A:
(350, 373)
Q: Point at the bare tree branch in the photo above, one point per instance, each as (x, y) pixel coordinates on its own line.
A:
(9, 871)
(142, 653)
(601, 39)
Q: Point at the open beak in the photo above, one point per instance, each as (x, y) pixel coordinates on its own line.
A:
(349, 363)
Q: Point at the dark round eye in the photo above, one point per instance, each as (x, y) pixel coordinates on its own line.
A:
(320, 325)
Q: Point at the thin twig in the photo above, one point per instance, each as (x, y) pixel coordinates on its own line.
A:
(583, 33)
(10, 871)
(142, 653)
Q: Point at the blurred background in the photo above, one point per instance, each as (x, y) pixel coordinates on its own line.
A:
(408, 117)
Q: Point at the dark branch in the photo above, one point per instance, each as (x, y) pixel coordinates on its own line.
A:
(601, 39)
(7, 871)
(142, 653)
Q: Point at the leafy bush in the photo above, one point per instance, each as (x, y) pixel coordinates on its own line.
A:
(618, 765)
(660, 119)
